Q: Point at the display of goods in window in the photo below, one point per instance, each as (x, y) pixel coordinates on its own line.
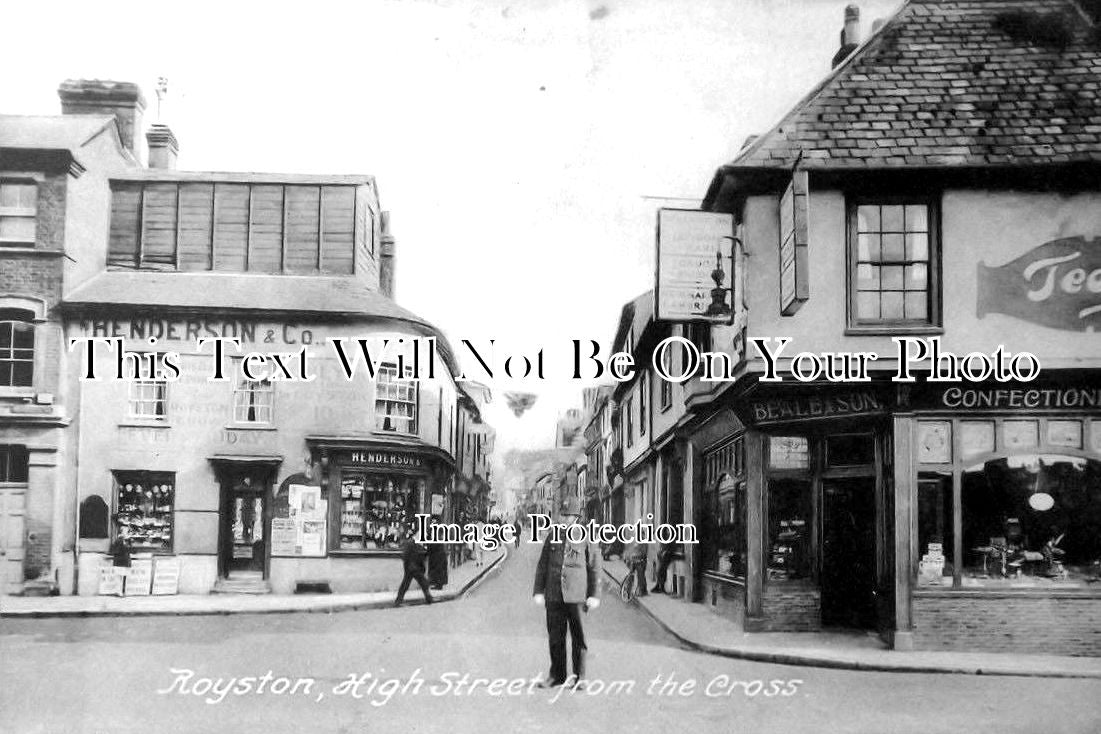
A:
(146, 511)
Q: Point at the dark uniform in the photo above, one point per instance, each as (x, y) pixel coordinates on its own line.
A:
(413, 556)
(567, 577)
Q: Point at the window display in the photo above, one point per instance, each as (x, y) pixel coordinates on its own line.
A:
(1032, 520)
(789, 529)
(144, 503)
(724, 501)
(374, 508)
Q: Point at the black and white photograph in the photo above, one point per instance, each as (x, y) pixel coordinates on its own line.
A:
(478, 366)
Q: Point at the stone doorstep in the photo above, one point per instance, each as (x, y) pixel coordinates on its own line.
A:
(210, 604)
(684, 621)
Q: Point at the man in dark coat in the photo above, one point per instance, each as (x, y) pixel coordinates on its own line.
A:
(413, 555)
(437, 562)
(566, 584)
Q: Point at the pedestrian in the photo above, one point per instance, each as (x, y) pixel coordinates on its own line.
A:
(519, 531)
(665, 558)
(413, 554)
(566, 585)
(635, 557)
(437, 562)
(120, 554)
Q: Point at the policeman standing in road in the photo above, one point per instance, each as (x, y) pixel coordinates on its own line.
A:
(566, 584)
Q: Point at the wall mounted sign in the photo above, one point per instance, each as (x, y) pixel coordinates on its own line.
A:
(385, 458)
(1057, 284)
(695, 279)
(794, 236)
(1010, 396)
(824, 405)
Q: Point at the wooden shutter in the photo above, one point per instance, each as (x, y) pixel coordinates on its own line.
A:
(196, 226)
(303, 204)
(158, 224)
(266, 229)
(337, 229)
(124, 241)
(230, 226)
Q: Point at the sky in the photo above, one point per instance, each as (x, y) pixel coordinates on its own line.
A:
(519, 146)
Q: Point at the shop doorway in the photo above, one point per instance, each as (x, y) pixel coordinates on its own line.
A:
(848, 553)
(245, 519)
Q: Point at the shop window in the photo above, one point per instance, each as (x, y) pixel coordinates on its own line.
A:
(18, 213)
(725, 547)
(374, 508)
(93, 517)
(14, 464)
(789, 515)
(850, 449)
(395, 400)
(788, 452)
(16, 348)
(892, 264)
(253, 402)
(144, 502)
(935, 529)
(1031, 520)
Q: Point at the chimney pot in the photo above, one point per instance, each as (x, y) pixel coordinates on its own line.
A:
(850, 35)
(123, 100)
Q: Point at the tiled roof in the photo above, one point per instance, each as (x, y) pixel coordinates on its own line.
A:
(952, 83)
(50, 132)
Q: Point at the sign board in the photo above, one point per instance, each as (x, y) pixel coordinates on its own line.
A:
(140, 580)
(794, 235)
(166, 576)
(1057, 284)
(393, 459)
(695, 266)
(110, 580)
(283, 536)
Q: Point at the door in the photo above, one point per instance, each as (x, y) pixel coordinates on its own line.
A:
(12, 509)
(244, 522)
(848, 553)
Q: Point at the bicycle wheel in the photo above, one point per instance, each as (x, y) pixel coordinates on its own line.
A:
(627, 587)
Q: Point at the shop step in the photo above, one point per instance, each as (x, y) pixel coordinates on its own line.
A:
(242, 585)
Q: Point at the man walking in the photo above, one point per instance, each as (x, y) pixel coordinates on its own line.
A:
(566, 584)
(413, 555)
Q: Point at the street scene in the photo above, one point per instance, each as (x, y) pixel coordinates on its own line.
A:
(494, 633)
(480, 365)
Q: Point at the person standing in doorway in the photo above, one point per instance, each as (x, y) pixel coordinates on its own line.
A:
(413, 555)
(566, 585)
(665, 558)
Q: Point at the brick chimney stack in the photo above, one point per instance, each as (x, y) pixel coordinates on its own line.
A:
(101, 97)
(850, 35)
(386, 262)
(163, 146)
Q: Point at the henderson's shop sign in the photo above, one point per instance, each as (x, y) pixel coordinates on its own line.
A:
(1057, 284)
(387, 459)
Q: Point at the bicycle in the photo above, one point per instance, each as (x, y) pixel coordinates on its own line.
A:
(628, 587)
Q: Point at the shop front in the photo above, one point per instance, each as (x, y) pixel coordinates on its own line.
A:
(1002, 548)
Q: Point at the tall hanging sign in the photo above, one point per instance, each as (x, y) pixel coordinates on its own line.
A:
(794, 226)
(695, 264)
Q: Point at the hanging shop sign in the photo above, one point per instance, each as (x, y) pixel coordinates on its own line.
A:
(695, 266)
(1057, 284)
(794, 236)
(387, 459)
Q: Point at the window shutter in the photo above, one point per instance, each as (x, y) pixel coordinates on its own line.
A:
(230, 226)
(302, 228)
(196, 231)
(338, 229)
(125, 224)
(266, 230)
(158, 224)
